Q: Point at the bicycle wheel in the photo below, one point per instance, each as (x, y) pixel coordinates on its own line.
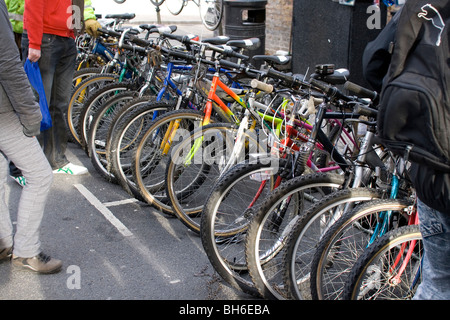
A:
(97, 137)
(272, 223)
(153, 150)
(84, 73)
(307, 231)
(80, 94)
(211, 12)
(95, 101)
(389, 269)
(197, 162)
(175, 6)
(225, 217)
(132, 121)
(344, 242)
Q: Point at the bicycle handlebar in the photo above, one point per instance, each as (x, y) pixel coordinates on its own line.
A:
(290, 80)
(129, 37)
(256, 84)
(360, 91)
(186, 40)
(359, 107)
(329, 90)
(363, 110)
(133, 48)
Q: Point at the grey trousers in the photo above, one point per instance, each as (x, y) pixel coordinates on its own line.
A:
(27, 155)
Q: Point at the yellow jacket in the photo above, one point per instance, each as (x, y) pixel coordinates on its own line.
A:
(16, 8)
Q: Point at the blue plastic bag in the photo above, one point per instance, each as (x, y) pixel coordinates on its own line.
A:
(34, 76)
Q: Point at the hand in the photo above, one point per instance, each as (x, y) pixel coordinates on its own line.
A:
(91, 26)
(34, 54)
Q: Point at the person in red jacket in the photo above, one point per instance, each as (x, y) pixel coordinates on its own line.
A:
(49, 39)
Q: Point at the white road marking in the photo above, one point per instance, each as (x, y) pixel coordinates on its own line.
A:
(104, 210)
(119, 202)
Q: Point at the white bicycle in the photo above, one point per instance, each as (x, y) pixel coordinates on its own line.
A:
(211, 11)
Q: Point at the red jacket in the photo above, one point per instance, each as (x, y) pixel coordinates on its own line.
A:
(47, 16)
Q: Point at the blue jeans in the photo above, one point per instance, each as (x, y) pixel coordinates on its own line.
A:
(57, 65)
(435, 229)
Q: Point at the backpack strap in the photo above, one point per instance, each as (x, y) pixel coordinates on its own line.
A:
(405, 37)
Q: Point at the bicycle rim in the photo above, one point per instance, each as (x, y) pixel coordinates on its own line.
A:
(270, 228)
(391, 270)
(192, 172)
(153, 150)
(344, 243)
(211, 12)
(175, 6)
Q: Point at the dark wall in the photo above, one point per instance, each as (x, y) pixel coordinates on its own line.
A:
(324, 31)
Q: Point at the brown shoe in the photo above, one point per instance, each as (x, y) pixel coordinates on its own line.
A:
(5, 253)
(40, 263)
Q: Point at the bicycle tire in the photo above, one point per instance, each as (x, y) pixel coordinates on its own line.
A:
(268, 231)
(76, 102)
(94, 103)
(84, 73)
(175, 6)
(367, 271)
(225, 218)
(296, 275)
(148, 156)
(97, 137)
(188, 185)
(123, 133)
(211, 13)
(343, 243)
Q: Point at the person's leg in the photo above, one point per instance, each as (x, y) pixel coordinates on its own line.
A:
(435, 229)
(65, 49)
(27, 154)
(57, 66)
(50, 139)
(6, 228)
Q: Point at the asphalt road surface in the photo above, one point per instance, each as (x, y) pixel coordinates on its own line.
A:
(112, 246)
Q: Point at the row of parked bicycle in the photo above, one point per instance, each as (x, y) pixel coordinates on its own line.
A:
(281, 175)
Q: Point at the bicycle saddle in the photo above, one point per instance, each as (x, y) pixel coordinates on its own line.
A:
(217, 40)
(123, 16)
(251, 43)
(281, 60)
(147, 26)
(163, 29)
(339, 76)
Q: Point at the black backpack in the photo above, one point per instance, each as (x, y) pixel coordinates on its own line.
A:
(414, 110)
